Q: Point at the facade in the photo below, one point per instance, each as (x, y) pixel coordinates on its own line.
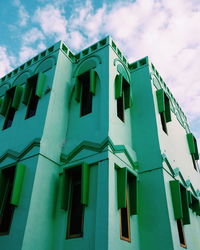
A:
(96, 154)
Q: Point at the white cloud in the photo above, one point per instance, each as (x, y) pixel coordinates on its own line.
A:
(32, 36)
(22, 13)
(6, 61)
(52, 21)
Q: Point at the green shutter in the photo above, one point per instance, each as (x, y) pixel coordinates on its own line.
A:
(176, 199)
(5, 104)
(167, 109)
(85, 179)
(133, 195)
(191, 144)
(160, 100)
(17, 185)
(185, 206)
(27, 92)
(195, 205)
(78, 90)
(121, 187)
(93, 81)
(127, 96)
(118, 86)
(17, 97)
(40, 85)
(65, 189)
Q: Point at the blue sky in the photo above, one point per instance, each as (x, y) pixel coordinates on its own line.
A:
(167, 31)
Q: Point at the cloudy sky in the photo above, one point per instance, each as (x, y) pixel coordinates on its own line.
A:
(166, 30)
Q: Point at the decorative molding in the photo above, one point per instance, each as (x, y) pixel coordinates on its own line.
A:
(18, 155)
(99, 147)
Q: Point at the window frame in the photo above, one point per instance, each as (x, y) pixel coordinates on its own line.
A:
(69, 217)
(127, 208)
(7, 209)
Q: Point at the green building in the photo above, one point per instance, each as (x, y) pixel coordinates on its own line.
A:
(96, 154)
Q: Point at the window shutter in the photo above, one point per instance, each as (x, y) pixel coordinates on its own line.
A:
(185, 206)
(17, 185)
(176, 199)
(160, 100)
(133, 195)
(118, 86)
(77, 90)
(40, 85)
(195, 205)
(192, 143)
(85, 176)
(65, 189)
(93, 81)
(121, 187)
(17, 97)
(5, 104)
(27, 92)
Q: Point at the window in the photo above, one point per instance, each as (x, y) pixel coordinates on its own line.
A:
(11, 180)
(181, 208)
(34, 90)
(122, 94)
(181, 233)
(10, 104)
(85, 90)
(125, 220)
(76, 209)
(192, 144)
(86, 97)
(163, 108)
(75, 188)
(6, 209)
(127, 200)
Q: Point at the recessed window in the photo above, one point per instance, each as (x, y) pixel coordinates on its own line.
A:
(125, 220)
(76, 208)
(85, 89)
(10, 111)
(122, 95)
(120, 108)
(6, 209)
(33, 98)
(86, 95)
(181, 233)
(127, 200)
(180, 202)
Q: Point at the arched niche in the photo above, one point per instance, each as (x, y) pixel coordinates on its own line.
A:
(46, 64)
(22, 78)
(122, 69)
(87, 64)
